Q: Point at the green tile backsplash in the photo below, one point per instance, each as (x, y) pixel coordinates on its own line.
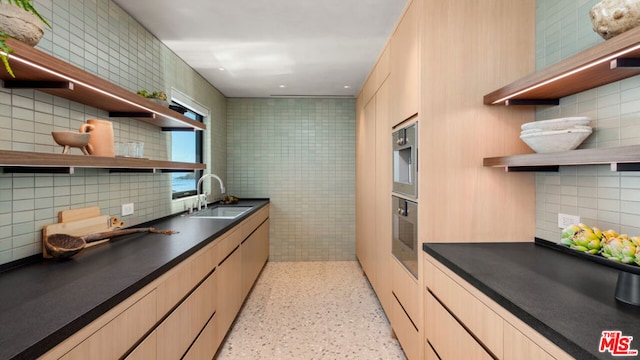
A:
(600, 197)
(301, 154)
(99, 37)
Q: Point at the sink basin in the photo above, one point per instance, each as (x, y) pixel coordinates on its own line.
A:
(222, 212)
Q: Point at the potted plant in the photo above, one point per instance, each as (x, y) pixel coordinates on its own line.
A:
(21, 21)
(156, 96)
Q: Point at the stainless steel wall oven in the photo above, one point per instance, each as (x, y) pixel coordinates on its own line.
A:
(405, 161)
(404, 244)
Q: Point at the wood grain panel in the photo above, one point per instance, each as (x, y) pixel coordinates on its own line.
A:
(519, 347)
(31, 64)
(408, 335)
(118, 336)
(146, 350)
(485, 324)
(405, 72)
(449, 339)
(592, 77)
(468, 47)
(599, 156)
(48, 160)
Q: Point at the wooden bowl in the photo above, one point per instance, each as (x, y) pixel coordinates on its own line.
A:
(70, 139)
(62, 246)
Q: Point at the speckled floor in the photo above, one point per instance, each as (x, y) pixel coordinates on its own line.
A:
(311, 310)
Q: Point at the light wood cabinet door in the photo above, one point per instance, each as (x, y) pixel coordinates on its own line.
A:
(483, 322)
(519, 347)
(207, 343)
(118, 336)
(382, 251)
(449, 339)
(406, 289)
(365, 189)
(255, 252)
(406, 332)
(185, 277)
(146, 350)
(181, 327)
(230, 295)
(405, 57)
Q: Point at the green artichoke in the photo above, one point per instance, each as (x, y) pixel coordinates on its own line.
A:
(582, 238)
(620, 249)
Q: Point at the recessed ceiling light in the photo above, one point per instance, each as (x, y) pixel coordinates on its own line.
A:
(347, 87)
(221, 68)
(283, 86)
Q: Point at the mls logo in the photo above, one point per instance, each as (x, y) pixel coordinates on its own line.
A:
(616, 344)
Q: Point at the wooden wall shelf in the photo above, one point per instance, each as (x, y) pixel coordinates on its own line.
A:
(625, 158)
(33, 162)
(36, 69)
(589, 69)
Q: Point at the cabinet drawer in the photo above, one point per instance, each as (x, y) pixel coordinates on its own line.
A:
(255, 252)
(449, 339)
(519, 347)
(407, 291)
(180, 328)
(405, 331)
(207, 343)
(114, 339)
(429, 354)
(184, 278)
(484, 323)
(146, 350)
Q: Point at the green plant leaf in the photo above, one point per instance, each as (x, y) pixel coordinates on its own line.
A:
(5, 50)
(26, 5)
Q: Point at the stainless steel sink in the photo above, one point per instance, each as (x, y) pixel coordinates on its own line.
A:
(222, 212)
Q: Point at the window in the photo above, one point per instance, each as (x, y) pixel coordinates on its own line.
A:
(186, 146)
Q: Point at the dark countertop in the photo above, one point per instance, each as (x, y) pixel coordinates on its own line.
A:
(44, 302)
(568, 299)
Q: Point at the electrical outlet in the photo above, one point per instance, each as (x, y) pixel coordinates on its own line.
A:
(565, 220)
(127, 209)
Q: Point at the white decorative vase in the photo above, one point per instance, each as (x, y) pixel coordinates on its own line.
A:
(613, 17)
(21, 24)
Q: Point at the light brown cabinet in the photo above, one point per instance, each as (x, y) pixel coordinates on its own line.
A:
(449, 338)
(255, 250)
(365, 179)
(118, 335)
(373, 191)
(406, 316)
(184, 313)
(461, 320)
(441, 57)
(405, 72)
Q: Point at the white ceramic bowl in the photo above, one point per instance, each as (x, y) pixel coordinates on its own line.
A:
(557, 124)
(556, 140)
(531, 131)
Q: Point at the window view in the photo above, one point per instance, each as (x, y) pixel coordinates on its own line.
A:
(186, 146)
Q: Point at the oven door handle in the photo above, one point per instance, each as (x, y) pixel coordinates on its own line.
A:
(403, 209)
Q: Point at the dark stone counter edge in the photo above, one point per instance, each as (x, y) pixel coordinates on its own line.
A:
(557, 338)
(68, 330)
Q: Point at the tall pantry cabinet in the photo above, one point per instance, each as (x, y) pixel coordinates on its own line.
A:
(461, 50)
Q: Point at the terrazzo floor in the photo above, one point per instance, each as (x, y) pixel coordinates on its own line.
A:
(311, 310)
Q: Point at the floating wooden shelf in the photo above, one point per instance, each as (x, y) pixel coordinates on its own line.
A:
(589, 69)
(33, 162)
(36, 69)
(625, 158)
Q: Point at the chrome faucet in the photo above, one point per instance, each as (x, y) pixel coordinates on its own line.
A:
(222, 190)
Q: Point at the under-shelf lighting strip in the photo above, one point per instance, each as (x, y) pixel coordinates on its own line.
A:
(29, 63)
(569, 73)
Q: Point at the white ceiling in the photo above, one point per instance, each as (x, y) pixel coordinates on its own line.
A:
(263, 48)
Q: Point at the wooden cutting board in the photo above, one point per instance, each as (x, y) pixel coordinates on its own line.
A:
(78, 214)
